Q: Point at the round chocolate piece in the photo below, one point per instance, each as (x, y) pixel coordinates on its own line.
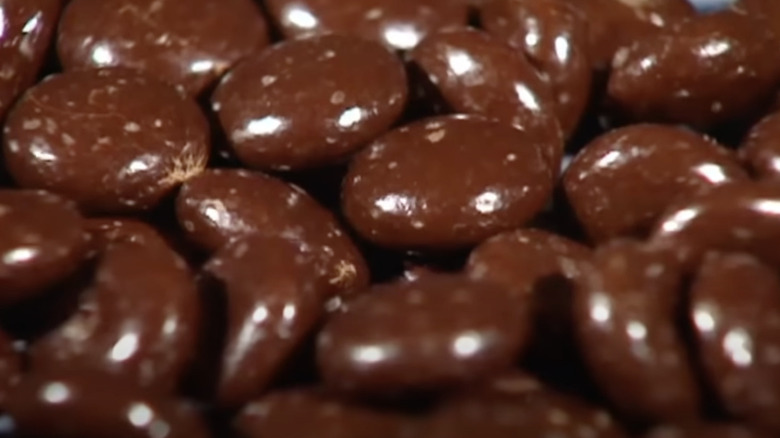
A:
(553, 35)
(477, 74)
(709, 70)
(42, 241)
(761, 148)
(624, 316)
(274, 291)
(221, 205)
(189, 44)
(739, 334)
(397, 25)
(434, 333)
(300, 104)
(137, 321)
(306, 413)
(707, 430)
(27, 30)
(624, 180)
(111, 140)
(446, 182)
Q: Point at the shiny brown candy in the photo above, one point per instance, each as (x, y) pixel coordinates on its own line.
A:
(111, 140)
(704, 431)
(67, 405)
(274, 292)
(761, 148)
(397, 25)
(434, 333)
(477, 74)
(302, 103)
(624, 317)
(624, 180)
(736, 313)
(137, 321)
(709, 70)
(553, 35)
(446, 182)
(42, 240)
(221, 205)
(188, 44)
(307, 413)
(28, 27)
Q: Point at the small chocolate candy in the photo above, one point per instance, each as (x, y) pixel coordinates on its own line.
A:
(447, 182)
(434, 333)
(624, 317)
(477, 74)
(27, 30)
(221, 205)
(397, 25)
(42, 240)
(761, 148)
(301, 104)
(739, 334)
(188, 44)
(307, 413)
(274, 289)
(89, 406)
(709, 70)
(705, 430)
(624, 180)
(111, 140)
(553, 35)
(137, 321)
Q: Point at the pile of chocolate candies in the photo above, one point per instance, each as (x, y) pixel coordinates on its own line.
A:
(389, 219)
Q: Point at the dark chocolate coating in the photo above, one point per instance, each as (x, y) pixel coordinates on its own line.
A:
(111, 140)
(477, 74)
(189, 44)
(553, 35)
(42, 241)
(709, 70)
(399, 25)
(301, 104)
(736, 313)
(761, 148)
(63, 405)
(624, 317)
(624, 180)
(446, 182)
(27, 32)
(274, 290)
(221, 205)
(138, 320)
(434, 333)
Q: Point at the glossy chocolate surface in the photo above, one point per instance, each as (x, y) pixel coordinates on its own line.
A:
(655, 165)
(434, 333)
(761, 148)
(446, 182)
(301, 104)
(188, 44)
(111, 140)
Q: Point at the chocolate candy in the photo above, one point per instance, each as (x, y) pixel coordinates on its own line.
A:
(446, 182)
(42, 241)
(188, 44)
(624, 314)
(274, 290)
(137, 321)
(624, 180)
(89, 406)
(479, 75)
(398, 25)
(28, 27)
(434, 333)
(553, 35)
(761, 148)
(111, 140)
(221, 205)
(704, 431)
(307, 413)
(301, 105)
(709, 70)
(739, 335)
